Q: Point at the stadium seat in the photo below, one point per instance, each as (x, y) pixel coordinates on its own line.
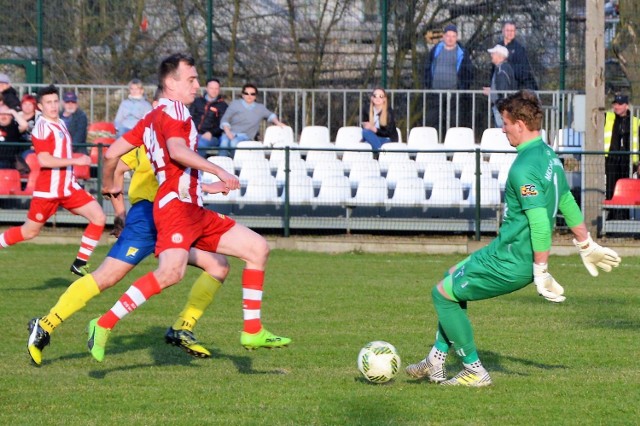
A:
(276, 135)
(261, 191)
(277, 155)
(438, 172)
(626, 192)
(372, 191)
(423, 138)
(314, 137)
(254, 169)
(10, 182)
(100, 129)
(446, 193)
(224, 162)
(348, 135)
(249, 150)
(462, 159)
(81, 172)
(459, 138)
(568, 141)
(409, 192)
(401, 170)
(349, 158)
(489, 192)
(391, 153)
(494, 139)
(425, 159)
(297, 167)
(334, 190)
(399, 134)
(363, 169)
(314, 157)
(300, 190)
(468, 174)
(94, 152)
(220, 198)
(326, 169)
(498, 159)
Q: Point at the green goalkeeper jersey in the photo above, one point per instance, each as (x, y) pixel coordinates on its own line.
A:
(536, 179)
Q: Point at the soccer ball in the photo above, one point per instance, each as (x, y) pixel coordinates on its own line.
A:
(378, 361)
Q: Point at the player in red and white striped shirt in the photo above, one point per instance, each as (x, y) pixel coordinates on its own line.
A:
(56, 185)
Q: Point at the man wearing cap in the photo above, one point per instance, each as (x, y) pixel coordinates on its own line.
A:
(518, 58)
(9, 94)
(76, 121)
(620, 134)
(501, 79)
(448, 67)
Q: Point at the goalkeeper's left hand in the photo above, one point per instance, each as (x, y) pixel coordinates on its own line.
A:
(546, 285)
(595, 256)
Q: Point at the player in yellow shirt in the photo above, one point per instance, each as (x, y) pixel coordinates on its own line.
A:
(136, 240)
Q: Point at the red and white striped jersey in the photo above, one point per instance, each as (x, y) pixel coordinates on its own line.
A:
(169, 119)
(54, 138)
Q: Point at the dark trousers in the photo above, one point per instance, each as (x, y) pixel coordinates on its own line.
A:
(616, 167)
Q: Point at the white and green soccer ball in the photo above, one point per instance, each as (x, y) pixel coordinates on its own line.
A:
(379, 361)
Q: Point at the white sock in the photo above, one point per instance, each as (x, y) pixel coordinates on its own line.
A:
(436, 356)
(476, 367)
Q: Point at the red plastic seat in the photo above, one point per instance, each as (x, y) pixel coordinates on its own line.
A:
(100, 129)
(81, 172)
(10, 182)
(626, 192)
(93, 152)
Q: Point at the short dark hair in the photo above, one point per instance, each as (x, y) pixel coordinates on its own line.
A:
(509, 22)
(170, 64)
(247, 85)
(213, 79)
(47, 90)
(523, 105)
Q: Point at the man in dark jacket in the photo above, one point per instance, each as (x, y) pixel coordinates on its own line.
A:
(206, 112)
(448, 67)
(518, 58)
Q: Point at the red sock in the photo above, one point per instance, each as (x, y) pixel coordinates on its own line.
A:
(139, 292)
(11, 236)
(252, 282)
(89, 241)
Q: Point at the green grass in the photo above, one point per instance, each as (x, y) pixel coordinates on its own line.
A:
(574, 363)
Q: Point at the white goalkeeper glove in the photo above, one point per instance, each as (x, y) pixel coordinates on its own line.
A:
(595, 256)
(546, 285)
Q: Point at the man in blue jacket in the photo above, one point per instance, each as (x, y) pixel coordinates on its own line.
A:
(448, 67)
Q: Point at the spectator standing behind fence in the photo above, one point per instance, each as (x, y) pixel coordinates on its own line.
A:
(518, 58)
(132, 109)
(378, 121)
(76, 121)
(242, 119)
(620, 134)
(9, 94)
(206, 112)
(12, 125)
(501, 79)
(448, 67)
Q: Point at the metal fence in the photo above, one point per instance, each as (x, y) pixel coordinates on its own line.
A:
(400, 190)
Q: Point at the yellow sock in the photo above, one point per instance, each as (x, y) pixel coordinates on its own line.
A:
(200, 296)
(72, 300)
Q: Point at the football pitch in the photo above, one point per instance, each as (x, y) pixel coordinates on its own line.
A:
(572, 363)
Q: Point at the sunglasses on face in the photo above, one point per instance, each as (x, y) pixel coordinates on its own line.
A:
(379, 96)
(249, 94)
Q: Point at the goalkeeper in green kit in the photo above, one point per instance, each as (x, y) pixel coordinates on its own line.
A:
(535, 190)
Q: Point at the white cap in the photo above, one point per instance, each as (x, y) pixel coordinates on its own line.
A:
(498, 48)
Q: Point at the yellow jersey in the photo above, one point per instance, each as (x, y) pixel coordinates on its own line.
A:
(143, 185)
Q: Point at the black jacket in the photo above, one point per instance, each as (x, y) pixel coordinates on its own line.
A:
(521, 66)
(390, 130)
(207, 114)
(10, 99)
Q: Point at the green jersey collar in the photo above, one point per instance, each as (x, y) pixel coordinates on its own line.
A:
(527, 144)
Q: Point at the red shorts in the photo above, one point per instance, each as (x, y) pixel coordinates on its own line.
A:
(42, 209)
(185, 225)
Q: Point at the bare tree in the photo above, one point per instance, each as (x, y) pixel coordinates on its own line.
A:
(626, 45)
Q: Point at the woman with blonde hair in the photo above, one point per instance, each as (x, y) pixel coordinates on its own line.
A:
(378, 122)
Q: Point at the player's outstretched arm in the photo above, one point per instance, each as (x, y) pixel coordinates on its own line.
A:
(593, 255)
(111, 159)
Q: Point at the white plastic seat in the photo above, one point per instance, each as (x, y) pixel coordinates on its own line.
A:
(363, 169)
(446, 193)
(425, 159)
(401, 170)
(223, 161)
(409, 192)
(326, 169)
(348, 135)
(349, 158)
(459, 138)
(261, 191)
(300, 190)
(568, 141)
(423, 138)
(315, 156)
(297, 167)
(276, 135)
(220, 198)
(399, 134)
(255, 153)
(498, 159)
(438, 172)
(489, 193)
(494, 139)
(371, 191)
(277, 155)
(314, 136)
(462, 159)
(254, 169)
(334, 190)
(503, 174)
(468, 174)
(391, 153)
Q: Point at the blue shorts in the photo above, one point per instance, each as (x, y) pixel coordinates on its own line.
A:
(138, 238)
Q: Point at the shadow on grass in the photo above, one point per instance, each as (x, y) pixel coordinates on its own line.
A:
(56, 282)
(162, 354)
